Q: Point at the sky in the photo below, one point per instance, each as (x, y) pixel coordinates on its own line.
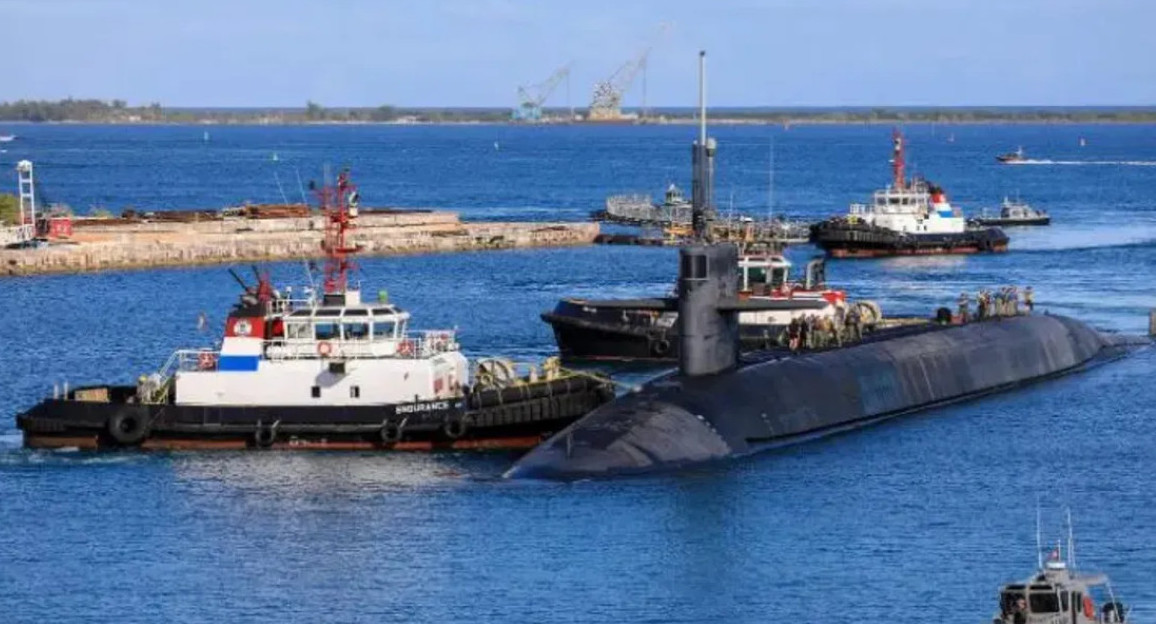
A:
(477, 52)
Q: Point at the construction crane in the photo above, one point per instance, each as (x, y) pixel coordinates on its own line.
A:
(607, 102)
(531, 98)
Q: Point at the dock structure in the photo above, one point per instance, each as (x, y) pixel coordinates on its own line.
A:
(116, 244)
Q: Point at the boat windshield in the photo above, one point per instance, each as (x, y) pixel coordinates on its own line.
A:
(1044, 602)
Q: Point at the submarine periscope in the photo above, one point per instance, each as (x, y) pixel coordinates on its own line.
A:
(716, 406)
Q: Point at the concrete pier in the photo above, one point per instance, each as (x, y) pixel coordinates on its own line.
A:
(96, 247)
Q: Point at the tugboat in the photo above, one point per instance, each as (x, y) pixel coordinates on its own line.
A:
(1012, 157)
(1013, 213)
(1056, 593)
(647, 329)
(324, 372)
(906, 218)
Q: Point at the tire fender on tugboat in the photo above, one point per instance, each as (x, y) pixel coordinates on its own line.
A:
(391, 432)
(455, 429)
(128, 426)
(265, 435)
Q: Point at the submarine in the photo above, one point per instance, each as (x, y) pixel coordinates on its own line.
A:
(720, 405)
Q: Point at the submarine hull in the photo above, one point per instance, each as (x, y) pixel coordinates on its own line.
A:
(678, 421)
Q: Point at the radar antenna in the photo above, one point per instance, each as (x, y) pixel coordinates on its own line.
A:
(339, 211)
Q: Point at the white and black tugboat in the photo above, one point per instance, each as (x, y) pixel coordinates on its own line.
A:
(1012, 157)
(1014, 213)
(647, 329)
(906, 218)
(330, 372)
(1057, 594)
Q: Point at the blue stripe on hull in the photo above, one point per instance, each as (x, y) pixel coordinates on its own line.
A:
(238, 363)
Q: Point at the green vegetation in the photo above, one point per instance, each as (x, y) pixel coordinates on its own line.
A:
(9, 209)
(118, 111)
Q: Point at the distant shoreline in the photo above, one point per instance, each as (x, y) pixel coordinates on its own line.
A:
(714, 121)
(118, 112)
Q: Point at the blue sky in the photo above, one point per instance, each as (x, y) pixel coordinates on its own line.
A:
(476, 52)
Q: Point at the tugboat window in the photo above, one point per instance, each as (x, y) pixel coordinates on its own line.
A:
(355, 331)
(383, 329)
(316, 392)
(694, 266)
(298, 331)
(1044, 603)
(325, 331)
(1064, 602)
(355, 392)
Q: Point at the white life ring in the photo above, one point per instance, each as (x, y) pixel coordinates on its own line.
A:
(324, 349)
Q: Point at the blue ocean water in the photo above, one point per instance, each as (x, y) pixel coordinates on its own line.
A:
(922, 517)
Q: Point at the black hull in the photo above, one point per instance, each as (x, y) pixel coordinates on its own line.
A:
(675, 422)
(845, 239)
(614, 331)
(514, 418)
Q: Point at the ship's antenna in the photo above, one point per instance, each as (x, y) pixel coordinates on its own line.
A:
(1039, 544)
(280, 189)
(1071, 543)
(300, 187)
(897, 162)
(771, 183)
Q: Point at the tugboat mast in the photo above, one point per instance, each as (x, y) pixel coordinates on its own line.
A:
(898, 164)
(339, 209)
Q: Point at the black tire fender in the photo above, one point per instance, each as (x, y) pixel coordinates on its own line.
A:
(265, 435)
(391, 432)
(660, 347)
(128, 427)
(455, 429)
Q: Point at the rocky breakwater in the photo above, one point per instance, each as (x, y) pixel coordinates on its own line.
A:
(116, 244)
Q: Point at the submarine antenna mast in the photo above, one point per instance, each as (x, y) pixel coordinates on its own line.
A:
(703, 164)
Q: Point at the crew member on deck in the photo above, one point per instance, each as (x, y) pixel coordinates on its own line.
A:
(964, 303)
(1029, 299)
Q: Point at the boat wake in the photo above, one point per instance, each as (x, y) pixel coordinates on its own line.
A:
(1119, 163)
(1086, 239)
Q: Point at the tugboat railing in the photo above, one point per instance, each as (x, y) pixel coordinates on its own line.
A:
(414, 345)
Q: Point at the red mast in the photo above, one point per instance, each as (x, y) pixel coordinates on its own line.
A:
(897, 162)
(338, 209)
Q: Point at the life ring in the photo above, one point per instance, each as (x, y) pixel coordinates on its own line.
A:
(455, 429)
(391, 432)
(324, 349)
(206, 361)
(405, 347)
(660, 347)
(1089, 608)
(264, 437)
(128, 427)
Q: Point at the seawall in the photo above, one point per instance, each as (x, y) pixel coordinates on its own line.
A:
(115, 245)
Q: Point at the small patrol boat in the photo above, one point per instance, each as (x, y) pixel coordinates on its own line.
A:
(905, 218)
(7, 138)
(1012, 157)
(1012, 213)
(1057, 594)
(328, 371)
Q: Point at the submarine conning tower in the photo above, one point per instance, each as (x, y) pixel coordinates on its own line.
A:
(707, 272)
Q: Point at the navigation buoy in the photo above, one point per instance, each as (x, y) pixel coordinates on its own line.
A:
(1083, 142)
(496, 147)
(205, 136)
(276, 157)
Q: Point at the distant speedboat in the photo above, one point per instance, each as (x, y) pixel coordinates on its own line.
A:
(1012, 157)
(7, 138)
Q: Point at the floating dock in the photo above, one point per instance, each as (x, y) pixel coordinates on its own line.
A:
(111, 244)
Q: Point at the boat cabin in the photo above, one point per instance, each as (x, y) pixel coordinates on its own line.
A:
(915, 208)
(336, 351)
(1057, 596)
